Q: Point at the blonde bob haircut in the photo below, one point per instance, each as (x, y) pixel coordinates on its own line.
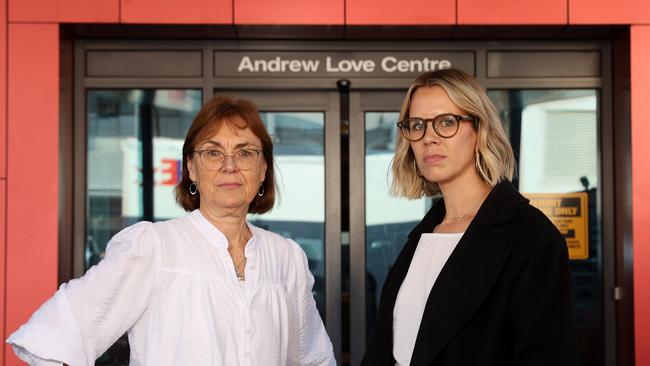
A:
(494, 159)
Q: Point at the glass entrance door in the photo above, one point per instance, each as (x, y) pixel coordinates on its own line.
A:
(555, 136)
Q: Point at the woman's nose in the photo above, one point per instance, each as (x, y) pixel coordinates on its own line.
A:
(430, 135)
(229, 164)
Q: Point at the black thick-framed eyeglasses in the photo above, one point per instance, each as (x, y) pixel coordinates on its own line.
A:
(445, 125)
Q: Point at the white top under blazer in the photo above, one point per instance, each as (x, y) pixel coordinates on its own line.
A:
(172, 286)
(430, 257)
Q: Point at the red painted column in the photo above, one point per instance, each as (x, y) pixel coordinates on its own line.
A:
(3, 106)
(32, 171)
(3, 259)
(3, 168)
(640, 90)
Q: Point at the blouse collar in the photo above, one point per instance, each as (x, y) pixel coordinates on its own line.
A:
(214, 235)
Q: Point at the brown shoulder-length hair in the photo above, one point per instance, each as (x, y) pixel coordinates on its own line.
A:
(494, 159)
(238, 113)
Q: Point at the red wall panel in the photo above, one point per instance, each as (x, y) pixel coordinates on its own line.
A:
(640, 90)
(32, 170)
(176, 12)
(3, 235)
(64, 11)
(3, 93)
(292, 12)
(609, 12)
(3, 165)
(512, 12)
(396, 12)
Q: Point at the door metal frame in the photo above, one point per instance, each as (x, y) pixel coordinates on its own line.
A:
(360, 103)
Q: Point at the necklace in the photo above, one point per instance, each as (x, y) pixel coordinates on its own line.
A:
(467, 216)
(239, 269)
(460, 218)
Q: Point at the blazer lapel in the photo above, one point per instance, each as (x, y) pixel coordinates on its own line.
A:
(469, 274)
(461, 287)
(403, 261)
(464, 282)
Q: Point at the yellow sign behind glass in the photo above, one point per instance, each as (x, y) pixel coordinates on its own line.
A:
(569, 213)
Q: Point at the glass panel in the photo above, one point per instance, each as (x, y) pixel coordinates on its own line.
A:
(174, 111)
(114, 166)
(386, 230)
(298, 139)
(555, 135)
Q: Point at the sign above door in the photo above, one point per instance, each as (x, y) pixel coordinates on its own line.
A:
(338, 64)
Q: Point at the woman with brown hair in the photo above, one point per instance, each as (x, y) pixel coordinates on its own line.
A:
(208, 288)
(484, 277)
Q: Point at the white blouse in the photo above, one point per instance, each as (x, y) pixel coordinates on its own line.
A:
(429, 258)
(172, 286)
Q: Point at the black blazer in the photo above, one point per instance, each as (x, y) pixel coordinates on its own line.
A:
(503, 297)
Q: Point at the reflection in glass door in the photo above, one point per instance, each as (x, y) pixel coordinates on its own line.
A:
(126, 131)
(554, 133)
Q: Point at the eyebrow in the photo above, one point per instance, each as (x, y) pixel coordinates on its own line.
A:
(238, 146)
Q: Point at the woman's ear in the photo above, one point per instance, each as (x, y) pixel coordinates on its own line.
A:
(191, 169)
(263, 172)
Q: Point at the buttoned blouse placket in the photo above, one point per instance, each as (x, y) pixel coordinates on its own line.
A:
(247, 289)
(243, 293)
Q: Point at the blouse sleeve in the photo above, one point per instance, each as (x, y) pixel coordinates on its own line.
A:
(87, 315)
(314, 347)
(542, 309)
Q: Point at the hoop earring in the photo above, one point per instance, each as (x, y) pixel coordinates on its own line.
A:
(477, 163)
(194, 189)
(260, 192)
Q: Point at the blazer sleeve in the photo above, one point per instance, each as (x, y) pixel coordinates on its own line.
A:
(87, 315)
(541, 312)
(311, 344)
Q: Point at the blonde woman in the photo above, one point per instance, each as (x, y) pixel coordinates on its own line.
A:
(484, 277)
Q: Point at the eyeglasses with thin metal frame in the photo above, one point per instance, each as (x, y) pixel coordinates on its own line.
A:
(213, 159)
(445, 125)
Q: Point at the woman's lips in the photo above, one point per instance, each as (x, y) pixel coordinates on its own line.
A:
(229, 185)
(434, 159)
